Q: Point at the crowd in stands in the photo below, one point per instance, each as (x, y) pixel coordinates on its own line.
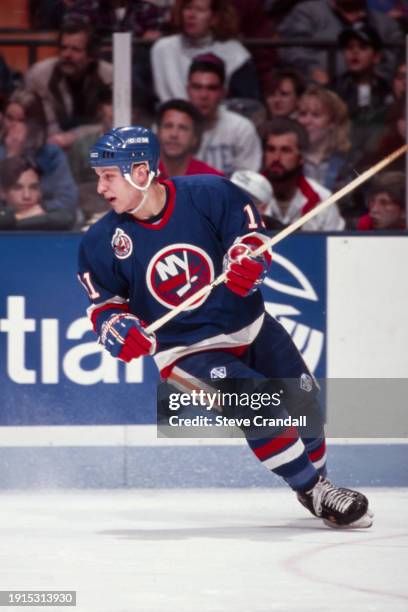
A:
(283, 122)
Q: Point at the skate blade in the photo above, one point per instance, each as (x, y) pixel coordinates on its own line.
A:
(362, 523)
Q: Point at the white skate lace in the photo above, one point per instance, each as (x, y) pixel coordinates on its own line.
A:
(336, 499)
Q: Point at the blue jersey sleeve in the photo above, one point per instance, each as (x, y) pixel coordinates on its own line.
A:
(107, 291)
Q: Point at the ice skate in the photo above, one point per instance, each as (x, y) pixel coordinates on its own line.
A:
(337, 506)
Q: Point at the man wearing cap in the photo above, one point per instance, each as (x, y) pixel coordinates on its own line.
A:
(366, 94)
(324, 20)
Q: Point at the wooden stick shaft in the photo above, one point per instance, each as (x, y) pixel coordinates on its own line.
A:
(335, 197)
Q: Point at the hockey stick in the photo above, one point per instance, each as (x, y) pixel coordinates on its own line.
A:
(359, 180)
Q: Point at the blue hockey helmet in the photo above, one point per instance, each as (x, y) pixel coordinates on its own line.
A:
(125, 146)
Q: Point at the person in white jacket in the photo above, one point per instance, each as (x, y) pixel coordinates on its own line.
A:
(204, 26)
(229, 141)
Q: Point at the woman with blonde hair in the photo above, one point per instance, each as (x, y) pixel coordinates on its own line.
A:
(202, 26)
(325, 117)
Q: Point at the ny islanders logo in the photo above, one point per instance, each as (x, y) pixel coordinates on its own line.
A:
(178, 271)
(121, 244)
(293, 301)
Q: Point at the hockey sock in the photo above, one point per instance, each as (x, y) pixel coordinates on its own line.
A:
(285, 455)
(316, 449)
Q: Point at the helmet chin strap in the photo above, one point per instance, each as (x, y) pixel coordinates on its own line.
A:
(144, 189)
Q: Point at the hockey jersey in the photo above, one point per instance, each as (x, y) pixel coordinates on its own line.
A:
(148, 268)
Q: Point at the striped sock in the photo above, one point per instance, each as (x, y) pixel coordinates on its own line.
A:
(316, 449)
(286, 456)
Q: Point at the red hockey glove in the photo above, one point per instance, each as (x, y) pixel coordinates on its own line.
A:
(124, 337)
(244, 273)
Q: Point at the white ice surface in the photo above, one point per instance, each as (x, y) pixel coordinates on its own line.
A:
(218, 550)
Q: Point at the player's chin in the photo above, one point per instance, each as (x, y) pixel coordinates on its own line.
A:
(115, 204)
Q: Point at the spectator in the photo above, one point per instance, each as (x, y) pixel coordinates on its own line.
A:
(179, 132)
(229, 141)
(24, 133)
(285, 142)
(22, 202)
(366, 94)
(325, 118)
(69, 84)
(259, 190)
(386, 203)
(324, 20)
(204, 26)
(282, 92)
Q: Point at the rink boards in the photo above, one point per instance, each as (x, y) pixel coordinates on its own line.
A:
(72, 414)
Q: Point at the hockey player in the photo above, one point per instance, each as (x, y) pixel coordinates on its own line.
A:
(162, 241)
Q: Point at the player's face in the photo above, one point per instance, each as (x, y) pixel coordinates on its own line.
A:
(359, 56)
(198, 18)
(116, 190)
(176, 134)
(283, 100)
(25, 193)
(73, 53)
(206, 92)
(315, 118)
(281, 155)
(385, 212)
